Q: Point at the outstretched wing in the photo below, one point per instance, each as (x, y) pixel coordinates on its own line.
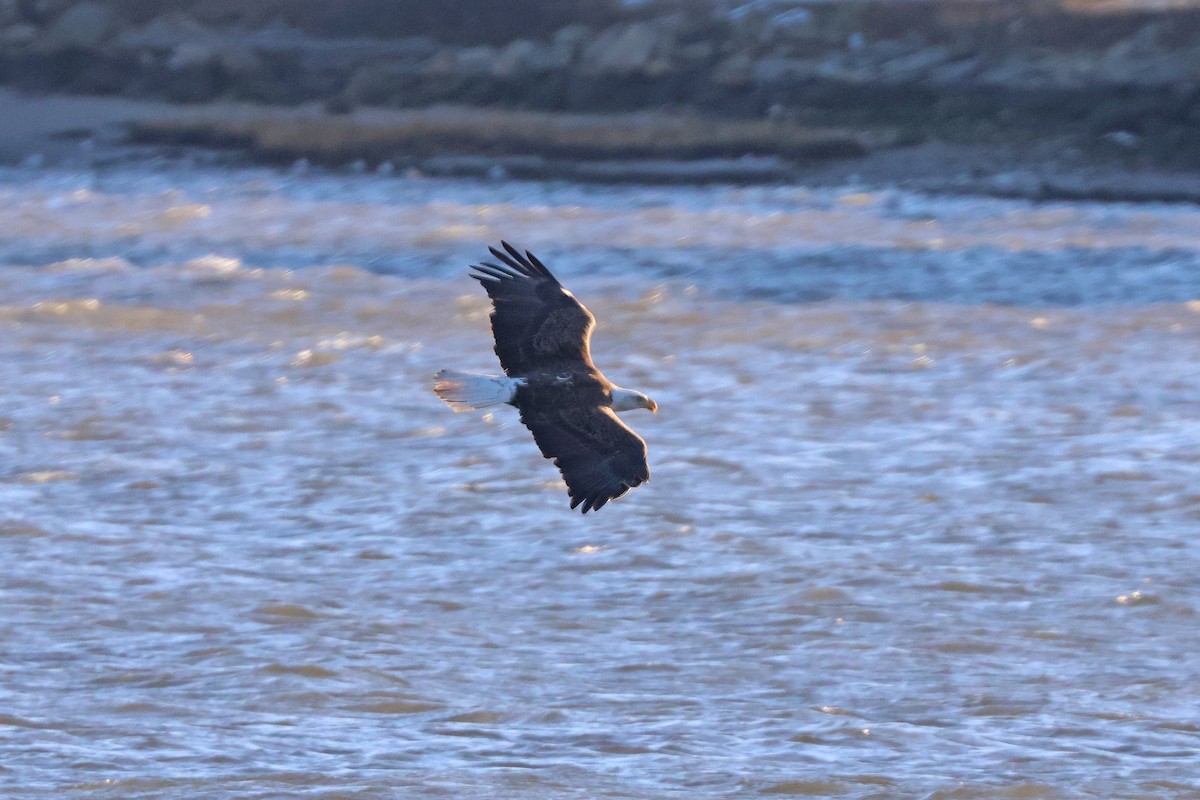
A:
(599, 456)
(535, 321)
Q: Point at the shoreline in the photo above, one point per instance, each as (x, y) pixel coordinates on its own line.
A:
(1037, 99)
(640, 147)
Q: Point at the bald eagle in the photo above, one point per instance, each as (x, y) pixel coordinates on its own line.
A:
(543, 339)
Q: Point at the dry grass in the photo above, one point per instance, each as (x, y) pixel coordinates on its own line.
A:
(377, 135)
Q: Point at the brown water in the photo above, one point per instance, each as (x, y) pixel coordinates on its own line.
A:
(922, 522)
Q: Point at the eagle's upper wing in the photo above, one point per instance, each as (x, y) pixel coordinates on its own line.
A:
(599, 456)
(535, 320)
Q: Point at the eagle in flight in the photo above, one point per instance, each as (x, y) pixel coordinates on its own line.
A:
(543, 339)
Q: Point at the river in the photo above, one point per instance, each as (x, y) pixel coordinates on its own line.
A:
(922, 523)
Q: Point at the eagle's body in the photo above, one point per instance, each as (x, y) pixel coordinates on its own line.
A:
(543, 337)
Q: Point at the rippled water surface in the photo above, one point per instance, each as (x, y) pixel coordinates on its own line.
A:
(923, 518)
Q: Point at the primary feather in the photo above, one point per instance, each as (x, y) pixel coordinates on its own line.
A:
(543, 340)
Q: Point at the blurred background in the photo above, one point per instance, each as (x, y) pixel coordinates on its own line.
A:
(916, 286)
(1073, 81)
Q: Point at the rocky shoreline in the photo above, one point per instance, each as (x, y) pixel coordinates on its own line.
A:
(1121, 88)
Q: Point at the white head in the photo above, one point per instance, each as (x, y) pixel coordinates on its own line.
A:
(628, 400)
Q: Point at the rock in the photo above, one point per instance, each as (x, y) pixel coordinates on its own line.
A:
(1125, 48)
(338, 104)
(955, 72)
(876, 54)
(10, 13)
(191, 54)
(511, 61)
(1012, 73)
(846, 68)
(200, 62)
(442, 65)
(474, 61)
(915, 66)
(523, 59)
(234, 59)
(736, 70)
(417, 47)
(238, 61)
(623, 50)
(783, 71)
(43, 10)
(695, 55)
(793, 23)
(341, 57)
(166, 33)
(568, 42)
(1123, 139)
(82, 27)
(22, 34)
(380, 84)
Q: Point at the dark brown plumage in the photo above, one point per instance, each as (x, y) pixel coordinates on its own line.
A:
(543, 339)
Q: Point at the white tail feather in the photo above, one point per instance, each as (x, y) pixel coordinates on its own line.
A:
(467, 391)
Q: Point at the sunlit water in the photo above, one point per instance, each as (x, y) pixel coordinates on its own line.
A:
(923, 519)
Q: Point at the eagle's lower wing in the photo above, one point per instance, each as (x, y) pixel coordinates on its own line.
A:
(599, 456)
(535, 321)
